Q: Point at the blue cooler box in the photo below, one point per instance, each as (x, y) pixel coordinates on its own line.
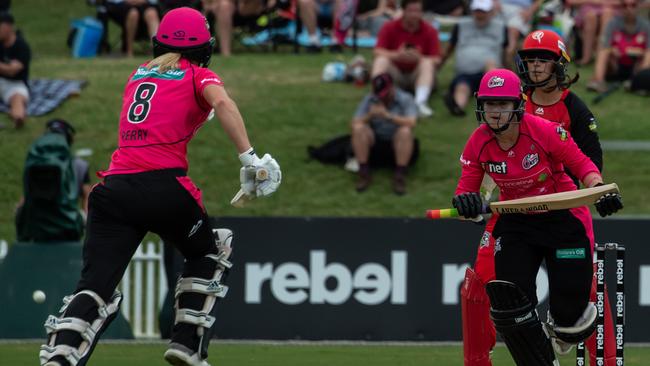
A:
(87, 37)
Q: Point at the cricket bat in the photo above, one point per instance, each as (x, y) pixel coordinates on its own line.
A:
(546, 202)
(241, 198)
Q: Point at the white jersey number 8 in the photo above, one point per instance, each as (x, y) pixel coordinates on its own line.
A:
(141, 105)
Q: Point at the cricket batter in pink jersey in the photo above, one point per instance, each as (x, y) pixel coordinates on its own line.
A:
(146, 189)
(525, 156)
(543, 69)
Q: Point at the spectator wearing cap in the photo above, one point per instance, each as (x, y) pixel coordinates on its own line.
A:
(384, 120)
(15, 56)
(479, 42)
(408, 48)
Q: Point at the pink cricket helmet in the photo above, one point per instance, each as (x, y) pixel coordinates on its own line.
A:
(500, 84)
(184, 30)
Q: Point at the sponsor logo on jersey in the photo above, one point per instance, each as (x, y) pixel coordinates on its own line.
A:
(592, 124)
(464, 161)
(195, 228)
(530, 160)
(143, 72)
(562, 132)
(542, 177)
(570, 253)
(485, 239)
(511, 154)
(497, 245)
(497, 167)
(539, 111)
(538, 36)
(495, 82)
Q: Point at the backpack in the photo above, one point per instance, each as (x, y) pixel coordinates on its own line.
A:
(334, 151)
(50, 211)
(641, 82)
(339, 149)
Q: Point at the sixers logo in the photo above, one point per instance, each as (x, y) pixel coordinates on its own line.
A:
(496, 82)
(529, 161)
(538, 36)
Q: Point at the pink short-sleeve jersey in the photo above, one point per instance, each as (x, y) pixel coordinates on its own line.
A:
(161, 112)
(533, 166)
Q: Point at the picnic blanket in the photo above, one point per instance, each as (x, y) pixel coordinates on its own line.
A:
(47, 94)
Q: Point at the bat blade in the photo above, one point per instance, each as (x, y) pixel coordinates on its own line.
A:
(554, 201)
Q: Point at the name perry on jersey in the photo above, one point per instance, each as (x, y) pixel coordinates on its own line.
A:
(133, 135)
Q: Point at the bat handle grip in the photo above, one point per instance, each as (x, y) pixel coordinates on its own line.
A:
(445, 213)
(486, 208)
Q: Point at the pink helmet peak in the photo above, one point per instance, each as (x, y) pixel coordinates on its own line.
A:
(500, 84)
(183, 28)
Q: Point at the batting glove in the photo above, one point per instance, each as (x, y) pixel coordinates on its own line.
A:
(609, 203)
(469, 205)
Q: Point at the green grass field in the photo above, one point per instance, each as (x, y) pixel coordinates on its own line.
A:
(286, 107)
(291, 355)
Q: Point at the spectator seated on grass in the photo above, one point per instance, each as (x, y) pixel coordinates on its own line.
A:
(136, 18)
(409, 49)
(310, 11)
(479, 42)
(518, 16)
(240, 13)
(15, 56)
(371, 19)
(382, 128)
(624, 48)
(591, 19)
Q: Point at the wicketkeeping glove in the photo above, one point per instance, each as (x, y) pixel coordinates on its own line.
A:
(259, 177)
(469, 205)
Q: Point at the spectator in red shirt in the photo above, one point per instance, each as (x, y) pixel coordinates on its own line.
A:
(408, 48)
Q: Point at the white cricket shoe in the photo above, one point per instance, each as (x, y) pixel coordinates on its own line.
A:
(179, 355)
(424, 111)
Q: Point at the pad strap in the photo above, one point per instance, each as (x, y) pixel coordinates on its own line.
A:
(71, 354)
(200, 285)
(54, 324)
(190, 316)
